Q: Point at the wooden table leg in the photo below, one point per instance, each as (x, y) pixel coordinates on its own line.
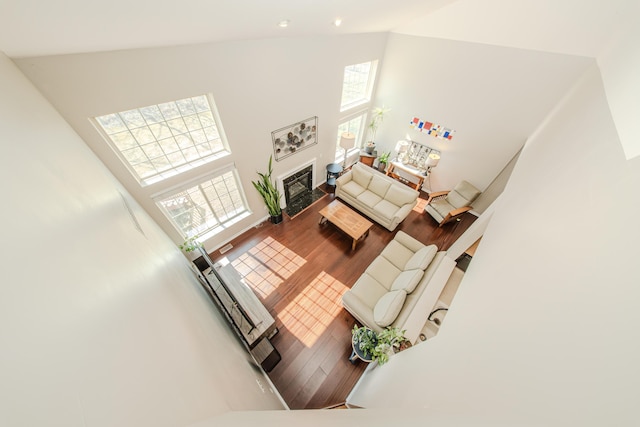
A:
(355, 241)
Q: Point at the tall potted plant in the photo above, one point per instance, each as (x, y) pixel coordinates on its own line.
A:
(377, 116)
(270, 193)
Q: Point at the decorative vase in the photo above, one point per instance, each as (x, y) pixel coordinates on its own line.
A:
(370, 147)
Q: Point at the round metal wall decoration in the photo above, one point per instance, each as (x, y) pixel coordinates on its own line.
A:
(295, 137)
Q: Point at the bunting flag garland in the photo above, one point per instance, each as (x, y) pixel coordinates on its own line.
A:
(431, 128)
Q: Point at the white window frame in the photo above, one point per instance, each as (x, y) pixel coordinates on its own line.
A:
(220, 223)
(362, 115)
(366, 95)
(185, 143)
(354, 109)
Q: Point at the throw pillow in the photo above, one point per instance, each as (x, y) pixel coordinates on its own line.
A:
(422, 258)
(388, 307)
(407, 280)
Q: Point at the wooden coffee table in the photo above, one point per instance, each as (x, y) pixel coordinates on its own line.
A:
(347, 220)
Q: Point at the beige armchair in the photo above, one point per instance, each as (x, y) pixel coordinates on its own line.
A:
(445, 206)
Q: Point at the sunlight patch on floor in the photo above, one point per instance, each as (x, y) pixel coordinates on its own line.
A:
(420, 206)
(312, 311)
(265, 266)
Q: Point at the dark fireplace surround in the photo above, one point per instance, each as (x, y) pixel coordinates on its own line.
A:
(299, 193)
(298, 185)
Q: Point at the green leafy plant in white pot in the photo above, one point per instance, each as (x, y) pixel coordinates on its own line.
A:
(270, 193)
(376, 347)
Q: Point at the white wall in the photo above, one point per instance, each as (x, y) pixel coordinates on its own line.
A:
(620, 67)
(543, 327)
(608, 32)
(100, 325)
(494, 97)
(258, 86)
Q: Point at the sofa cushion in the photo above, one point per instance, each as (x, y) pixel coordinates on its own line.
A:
(361, 176)
(388, 307)
(379, 186)
(385, 209)
(398, 254)
(368, 289)
(369, 198)
(422, 258)
(383, 271)
(456, 200)
(407, 280)
(352, 188)
(400, 195)
(441, 206)
(463, 194)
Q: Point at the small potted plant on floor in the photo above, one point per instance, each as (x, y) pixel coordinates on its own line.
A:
(376, 347)
(270, 193)
(383, 161)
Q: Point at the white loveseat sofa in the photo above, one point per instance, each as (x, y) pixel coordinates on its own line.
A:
(393, 284)
(381, 198)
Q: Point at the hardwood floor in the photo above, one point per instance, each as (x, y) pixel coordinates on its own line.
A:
(300, 270)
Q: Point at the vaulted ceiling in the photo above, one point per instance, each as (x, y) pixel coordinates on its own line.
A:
(51, 27)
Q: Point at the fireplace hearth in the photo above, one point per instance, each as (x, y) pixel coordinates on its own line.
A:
(299, 193)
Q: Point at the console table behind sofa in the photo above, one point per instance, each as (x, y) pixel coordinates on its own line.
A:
(395, 167)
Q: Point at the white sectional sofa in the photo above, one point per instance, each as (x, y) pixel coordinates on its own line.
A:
(381, 198)
(394, 284)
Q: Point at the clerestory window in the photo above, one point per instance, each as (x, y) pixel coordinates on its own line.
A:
(163, 140)
(357, 84)
(357, 87)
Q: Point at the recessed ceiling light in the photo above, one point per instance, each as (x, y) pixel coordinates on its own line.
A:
(337, 22)
(284, 23)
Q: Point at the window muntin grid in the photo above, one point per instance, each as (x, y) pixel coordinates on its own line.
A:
(202, 207)
(354, 125)
(160, 141)
(357, 84)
